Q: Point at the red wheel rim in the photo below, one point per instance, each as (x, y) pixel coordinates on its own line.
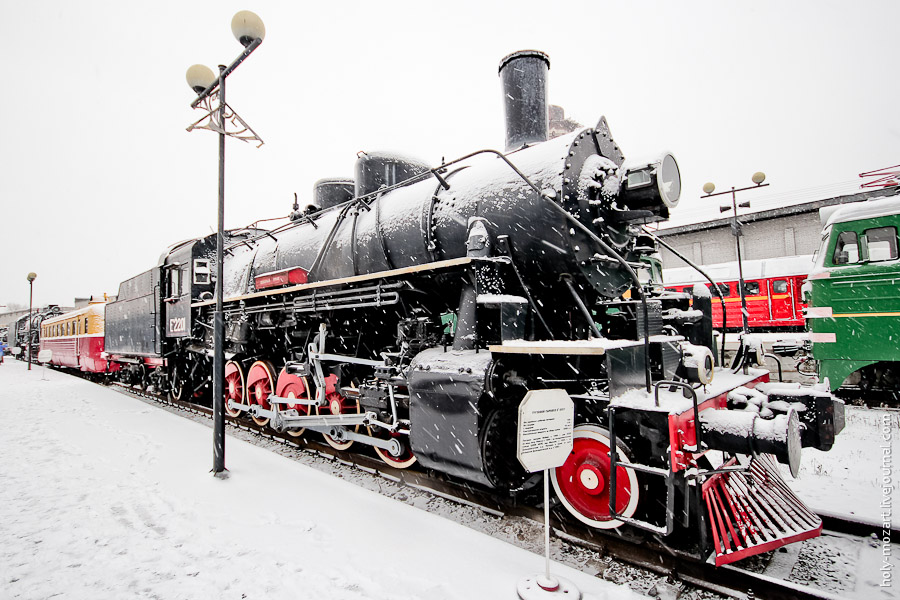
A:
(582, 482)
(260, 384)
(292, 386)
(337, 404)
(234, 387)
(406, 458)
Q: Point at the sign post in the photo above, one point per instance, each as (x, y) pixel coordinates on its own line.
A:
(544, 441)
(44, 357)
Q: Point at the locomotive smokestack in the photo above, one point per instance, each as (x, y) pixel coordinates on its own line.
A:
(524, 76)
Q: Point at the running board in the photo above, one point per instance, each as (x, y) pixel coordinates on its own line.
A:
(754, 511)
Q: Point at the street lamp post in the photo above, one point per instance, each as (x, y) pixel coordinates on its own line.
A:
(758, 178)
(31, 277)
(249, 30)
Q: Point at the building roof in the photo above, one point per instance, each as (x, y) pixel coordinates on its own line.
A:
(753, 269)
(782, 211)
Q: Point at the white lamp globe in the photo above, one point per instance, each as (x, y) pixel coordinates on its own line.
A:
(200, 77)
(247, 27)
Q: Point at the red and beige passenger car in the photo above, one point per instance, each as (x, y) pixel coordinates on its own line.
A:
(76, 339)
(771, 288)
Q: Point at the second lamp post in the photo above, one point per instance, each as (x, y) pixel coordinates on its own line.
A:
(31, 277)
(758, 178)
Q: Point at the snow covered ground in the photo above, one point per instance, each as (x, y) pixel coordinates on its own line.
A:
(103, 496)
(859, 476)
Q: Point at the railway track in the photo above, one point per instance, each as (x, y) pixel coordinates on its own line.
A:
(667, 568)
(880, 399)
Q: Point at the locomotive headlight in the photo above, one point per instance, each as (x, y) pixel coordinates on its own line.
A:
(669, 181)
(698, 363)
(653, 186)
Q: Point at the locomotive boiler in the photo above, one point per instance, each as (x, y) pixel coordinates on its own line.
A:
(411, 308)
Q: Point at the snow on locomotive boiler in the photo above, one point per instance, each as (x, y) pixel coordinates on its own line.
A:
(412, 308)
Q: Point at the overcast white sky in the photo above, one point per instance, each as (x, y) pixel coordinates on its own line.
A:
(99, 174)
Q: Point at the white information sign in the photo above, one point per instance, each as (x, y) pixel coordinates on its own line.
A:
(45, 356)
(546, 420)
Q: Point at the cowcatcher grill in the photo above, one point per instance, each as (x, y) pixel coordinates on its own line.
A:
(754, 511)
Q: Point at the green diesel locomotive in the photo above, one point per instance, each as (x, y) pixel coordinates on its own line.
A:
(853, 292)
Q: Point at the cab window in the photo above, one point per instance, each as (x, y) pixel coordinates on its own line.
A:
(174, 283)
(882, 243)
(751, 288)
(779, 286)
(846, 249)
(202, 271)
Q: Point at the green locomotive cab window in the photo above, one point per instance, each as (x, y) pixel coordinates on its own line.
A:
(881, 243)
(846, 249)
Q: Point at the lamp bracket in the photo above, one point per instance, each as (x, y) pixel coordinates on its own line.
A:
(232, 125)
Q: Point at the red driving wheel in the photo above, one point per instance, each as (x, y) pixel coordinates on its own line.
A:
(234, 387)
(337, 404)
(292, 386)
(260, 385)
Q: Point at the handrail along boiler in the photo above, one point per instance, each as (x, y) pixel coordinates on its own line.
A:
(411, 308)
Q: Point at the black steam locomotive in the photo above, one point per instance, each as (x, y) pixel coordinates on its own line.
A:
(20, 336)
(412, 308)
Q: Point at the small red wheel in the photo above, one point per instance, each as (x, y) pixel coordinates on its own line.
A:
(234, 387)
(582, 482)
(292, 386)
(337, 404)
(406, 458)
(260, 384)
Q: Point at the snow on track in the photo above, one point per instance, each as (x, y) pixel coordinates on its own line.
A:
(104, 496)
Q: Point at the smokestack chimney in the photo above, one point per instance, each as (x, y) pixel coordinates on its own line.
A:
(524, 76)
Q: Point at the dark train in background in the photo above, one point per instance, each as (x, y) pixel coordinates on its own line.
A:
(18, 336)
(411, 308)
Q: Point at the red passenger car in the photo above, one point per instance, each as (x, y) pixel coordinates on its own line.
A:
(76, 339)
(771, 287)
